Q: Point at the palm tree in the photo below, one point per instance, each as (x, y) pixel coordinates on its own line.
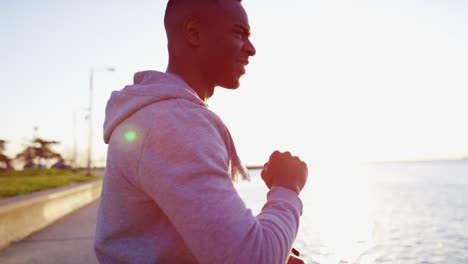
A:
(5, 162)
(38, 152)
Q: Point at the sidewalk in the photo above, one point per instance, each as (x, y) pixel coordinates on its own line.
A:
(68, 240)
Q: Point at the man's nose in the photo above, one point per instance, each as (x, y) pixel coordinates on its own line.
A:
(249, 48)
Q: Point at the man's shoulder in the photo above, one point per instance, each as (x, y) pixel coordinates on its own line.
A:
(176, 109)
(181, 114)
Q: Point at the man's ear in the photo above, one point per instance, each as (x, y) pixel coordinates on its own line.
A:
(191, 29)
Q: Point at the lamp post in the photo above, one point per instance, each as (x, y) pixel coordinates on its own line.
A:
(90, 119)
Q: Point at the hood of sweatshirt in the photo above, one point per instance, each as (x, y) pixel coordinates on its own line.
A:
(150, 87)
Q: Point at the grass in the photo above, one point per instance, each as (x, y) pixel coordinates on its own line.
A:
(13, 183)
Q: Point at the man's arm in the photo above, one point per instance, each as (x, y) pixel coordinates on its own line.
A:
(184, 170)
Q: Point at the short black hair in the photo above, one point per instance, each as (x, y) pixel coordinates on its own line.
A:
(172, 4)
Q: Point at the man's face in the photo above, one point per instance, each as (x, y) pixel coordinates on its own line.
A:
(225, 45)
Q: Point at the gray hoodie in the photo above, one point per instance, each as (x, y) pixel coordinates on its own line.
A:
(168, 193)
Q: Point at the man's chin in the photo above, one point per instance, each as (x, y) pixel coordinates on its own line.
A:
(232, 85)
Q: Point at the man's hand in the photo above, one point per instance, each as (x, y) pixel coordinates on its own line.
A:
(294, 257)
(285, 170)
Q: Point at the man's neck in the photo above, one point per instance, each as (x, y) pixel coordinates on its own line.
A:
(194, 80)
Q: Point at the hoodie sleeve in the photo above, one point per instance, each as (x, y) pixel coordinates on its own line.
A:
(184, 168)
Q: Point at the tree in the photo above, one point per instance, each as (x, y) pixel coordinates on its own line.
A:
(2, 145)
(5, 162)
(39, 152)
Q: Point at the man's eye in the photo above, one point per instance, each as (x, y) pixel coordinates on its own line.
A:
(239, 35)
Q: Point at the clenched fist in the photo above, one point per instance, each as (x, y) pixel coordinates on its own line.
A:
(285, 170)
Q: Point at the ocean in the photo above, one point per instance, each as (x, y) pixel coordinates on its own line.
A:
(408, 212)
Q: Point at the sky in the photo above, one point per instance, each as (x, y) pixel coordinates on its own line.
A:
(332, 80)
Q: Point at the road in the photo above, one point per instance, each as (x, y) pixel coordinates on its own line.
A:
(69, 240)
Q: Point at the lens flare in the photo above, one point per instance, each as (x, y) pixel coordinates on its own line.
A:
(130, 136)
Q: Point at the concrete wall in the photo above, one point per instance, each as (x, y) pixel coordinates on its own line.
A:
(20, 216)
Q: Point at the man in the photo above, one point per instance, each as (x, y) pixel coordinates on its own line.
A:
(168, 194)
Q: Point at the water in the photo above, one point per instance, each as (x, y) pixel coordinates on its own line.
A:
(381, 213)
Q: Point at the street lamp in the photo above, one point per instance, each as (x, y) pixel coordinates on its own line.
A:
(90, 119)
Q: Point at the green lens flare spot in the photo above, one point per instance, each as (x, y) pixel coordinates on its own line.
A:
(130, 136)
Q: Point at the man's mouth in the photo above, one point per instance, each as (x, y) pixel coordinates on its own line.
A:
(243, 62)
